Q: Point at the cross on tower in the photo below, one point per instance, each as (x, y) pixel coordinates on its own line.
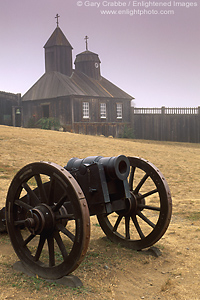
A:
(56, 17)
(86, 41)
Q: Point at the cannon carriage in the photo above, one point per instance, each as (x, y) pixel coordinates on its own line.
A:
(48, 209)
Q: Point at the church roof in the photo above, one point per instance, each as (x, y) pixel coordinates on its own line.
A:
(57, 39)
(87, 56)
(55, 84)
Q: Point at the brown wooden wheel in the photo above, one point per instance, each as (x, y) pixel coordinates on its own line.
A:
(148, 211)
(47, 219)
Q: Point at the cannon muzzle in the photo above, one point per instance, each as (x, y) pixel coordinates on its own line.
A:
(115, 167)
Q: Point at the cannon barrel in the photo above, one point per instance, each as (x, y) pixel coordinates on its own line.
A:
(115, 167)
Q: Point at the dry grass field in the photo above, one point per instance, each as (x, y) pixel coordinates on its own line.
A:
(108, 270)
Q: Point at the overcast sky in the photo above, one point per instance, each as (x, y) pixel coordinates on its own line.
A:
(151, 52)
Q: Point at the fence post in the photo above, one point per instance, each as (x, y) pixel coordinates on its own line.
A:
(162, 127)
(198, 126)
(163, 110)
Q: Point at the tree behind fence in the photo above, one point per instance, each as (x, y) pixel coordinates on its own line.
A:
(167, 124)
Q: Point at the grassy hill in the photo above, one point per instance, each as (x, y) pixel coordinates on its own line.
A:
(109, 271)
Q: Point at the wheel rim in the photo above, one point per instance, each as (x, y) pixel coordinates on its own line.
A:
(48, 219)
(148, 211)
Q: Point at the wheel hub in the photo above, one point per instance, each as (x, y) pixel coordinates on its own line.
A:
(40, 219)
(133, 204)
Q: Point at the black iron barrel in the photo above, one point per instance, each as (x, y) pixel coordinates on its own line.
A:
(116, 167)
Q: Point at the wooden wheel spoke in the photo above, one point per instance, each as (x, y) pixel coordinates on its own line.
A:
(60, 245)
(131, 178)
(144, 218)
(143, 206)
(41, 188)
(67, 217)
(28, 239)
(148, 194)
(50, 241)
(23, 204)
(60, 203)
(117, 223)
(138, 228)
(31, 193)
(140, 184)
(127, 227)
(40, 247)
(66, 232)
(51, 195)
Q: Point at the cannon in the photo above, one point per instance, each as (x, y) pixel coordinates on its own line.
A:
(48, 209)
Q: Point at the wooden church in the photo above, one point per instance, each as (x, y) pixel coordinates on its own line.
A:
(81, 99)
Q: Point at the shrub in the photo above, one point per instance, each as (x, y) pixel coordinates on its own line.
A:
(48, 124)
(127, 133)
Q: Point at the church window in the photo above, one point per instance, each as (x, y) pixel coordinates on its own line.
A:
(119, 110)
(103, 110)
(85, 110)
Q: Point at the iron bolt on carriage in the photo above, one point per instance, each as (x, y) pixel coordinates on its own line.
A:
(48, 209)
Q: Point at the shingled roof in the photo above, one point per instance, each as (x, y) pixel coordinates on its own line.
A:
(57, 39)
(55, 84)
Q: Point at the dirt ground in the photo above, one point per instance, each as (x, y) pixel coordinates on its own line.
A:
(108, 270)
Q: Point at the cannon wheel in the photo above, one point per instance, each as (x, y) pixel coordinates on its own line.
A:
(47, 219)
(148, 212)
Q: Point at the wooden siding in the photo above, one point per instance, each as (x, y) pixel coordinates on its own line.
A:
(94, 110)
(69, 111)
(106, 129)
(58, 108)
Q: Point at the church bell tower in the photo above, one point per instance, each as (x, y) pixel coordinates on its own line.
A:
(88, 63)
(58, 52)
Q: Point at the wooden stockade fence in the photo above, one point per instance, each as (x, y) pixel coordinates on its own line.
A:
(167, 124)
